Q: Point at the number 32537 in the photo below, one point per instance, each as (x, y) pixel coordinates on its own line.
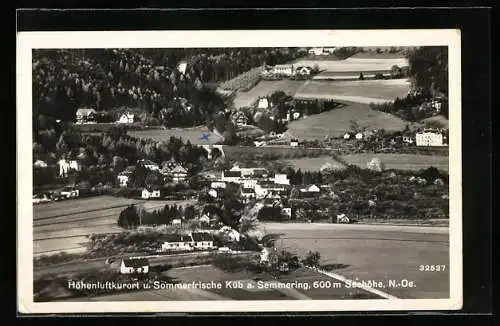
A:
(432, 268)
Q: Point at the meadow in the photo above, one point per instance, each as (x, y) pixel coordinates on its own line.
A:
(192, 134)
(336, 122)
(354, 64)
(266, 87)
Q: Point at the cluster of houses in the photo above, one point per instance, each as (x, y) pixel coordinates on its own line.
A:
(322, 51)
(424, 138)
(170, 171)
(89, 115)
(286, 70)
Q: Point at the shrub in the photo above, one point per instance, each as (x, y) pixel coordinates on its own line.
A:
(312, 259)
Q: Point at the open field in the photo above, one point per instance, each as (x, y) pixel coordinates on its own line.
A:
(375, 55)
(192, 134)
(375, 252)
(439, 119)
(266, 87)
(61, 226)
(390, 161)
(400, 161)
(335, 123)
(364, 91)
(354, 64)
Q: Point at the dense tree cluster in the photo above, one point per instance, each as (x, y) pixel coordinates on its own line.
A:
(148, 79)
(429, 69)
(413, 107)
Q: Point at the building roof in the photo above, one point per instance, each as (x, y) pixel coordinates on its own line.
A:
(201, 236)
(232, 174)
(247, 190)
(179, 169)
(135, 262)
(85, 111)
(176, 238)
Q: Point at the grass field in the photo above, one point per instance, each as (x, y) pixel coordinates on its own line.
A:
(400, 161)
(60, 226)
(378, 253)
(390, 161)
(375, 55)
(192, 134)
(364, 91)
(354, 64)
(266, 87)
(335, 123)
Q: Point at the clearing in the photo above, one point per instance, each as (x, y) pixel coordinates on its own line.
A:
(390, 161)
(192, 134)
(363, 91)
(335, 123)
(266, 87)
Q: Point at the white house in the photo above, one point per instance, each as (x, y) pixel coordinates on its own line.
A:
(264, 255)
(181, 67)
(134, 266)
(213, 193)
(342, 218)
(287, 211)
(66, 166)
(264, 103)
(179, 174)
(266, 189)
(408, 139)
(218, 185)
(281, 179)
(429, 138)
(239, 119)
(202, 240)
(249, 183)
(150, 193)
(39, 164)
(177, 242)
(83, 114)
(230, 233)
(248, 193)
(304, 71)
(176, 221)
(315, 51)
(124, 178)
(359, 135)
(149, 165)
(311, 188)
(286, 70)
(204, 219)
(295, 115)
(294, 143)
(347, 136)
(126, 118)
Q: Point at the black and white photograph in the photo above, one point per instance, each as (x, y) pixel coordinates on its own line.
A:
(265, 170)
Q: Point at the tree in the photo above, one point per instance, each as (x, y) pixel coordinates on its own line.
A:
(129, 217)
(429, 68)
(189, 212)
(312, 259)
(230, 137)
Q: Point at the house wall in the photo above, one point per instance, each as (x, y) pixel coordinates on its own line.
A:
(429, 139)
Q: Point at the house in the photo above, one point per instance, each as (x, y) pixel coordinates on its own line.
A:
(294, 143)
(66, 166)
(83, 115)
(259, 143)
(179, 174)
(264, 255)
(347, 136)
(268, 189)
(281, 179)
(359, 136)
(218, 185)
(310, 191)
(230, 233)
(204, 219)
(176, 221)
(124, 178)
(239, 119)
(285, 70)
(408, 139)
(150, 193)
(303, 71)
(287, 212)
(213, 193)
(202, 240)
(181, 67)
(231, 176)
(315, 51)
(343, 219)
(429, 138)
(39, 164)
(264, 103)
(134, 266)
(248, 193)
(126, 118)
(249, 183)
(149, 165)
(177, 242)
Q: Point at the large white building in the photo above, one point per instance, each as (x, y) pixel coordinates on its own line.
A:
(286, 70)
(281, 179)
(429, 138)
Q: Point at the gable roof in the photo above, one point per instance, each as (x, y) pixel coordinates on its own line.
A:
(85, 111)
(247, 191)
(176, 238)
(201, 236)
(232, 173)
(135, 262)
(179, 169)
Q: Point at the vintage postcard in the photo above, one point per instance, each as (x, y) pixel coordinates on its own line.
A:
(239, 171)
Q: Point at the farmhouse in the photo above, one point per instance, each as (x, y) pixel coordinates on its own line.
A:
(84, 115)
(359, 136)
(315, 51)
(177, 242)
(347, 136)
(303, 71)
(148, 193)
(149, 165)
(408, 139)
(429, 138)
(230, 233)
(124, 178)
(177, 221)
(264, 103)
(134, 266)
(66, 166)
(239, 119)
(126, 118)
(294, 143)
(248, 193)
(218, 185)
(202, 240)
(281, 179)
(178, 174)
(268, 189)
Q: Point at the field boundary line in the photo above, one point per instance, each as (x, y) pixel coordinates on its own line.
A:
(342, 279)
